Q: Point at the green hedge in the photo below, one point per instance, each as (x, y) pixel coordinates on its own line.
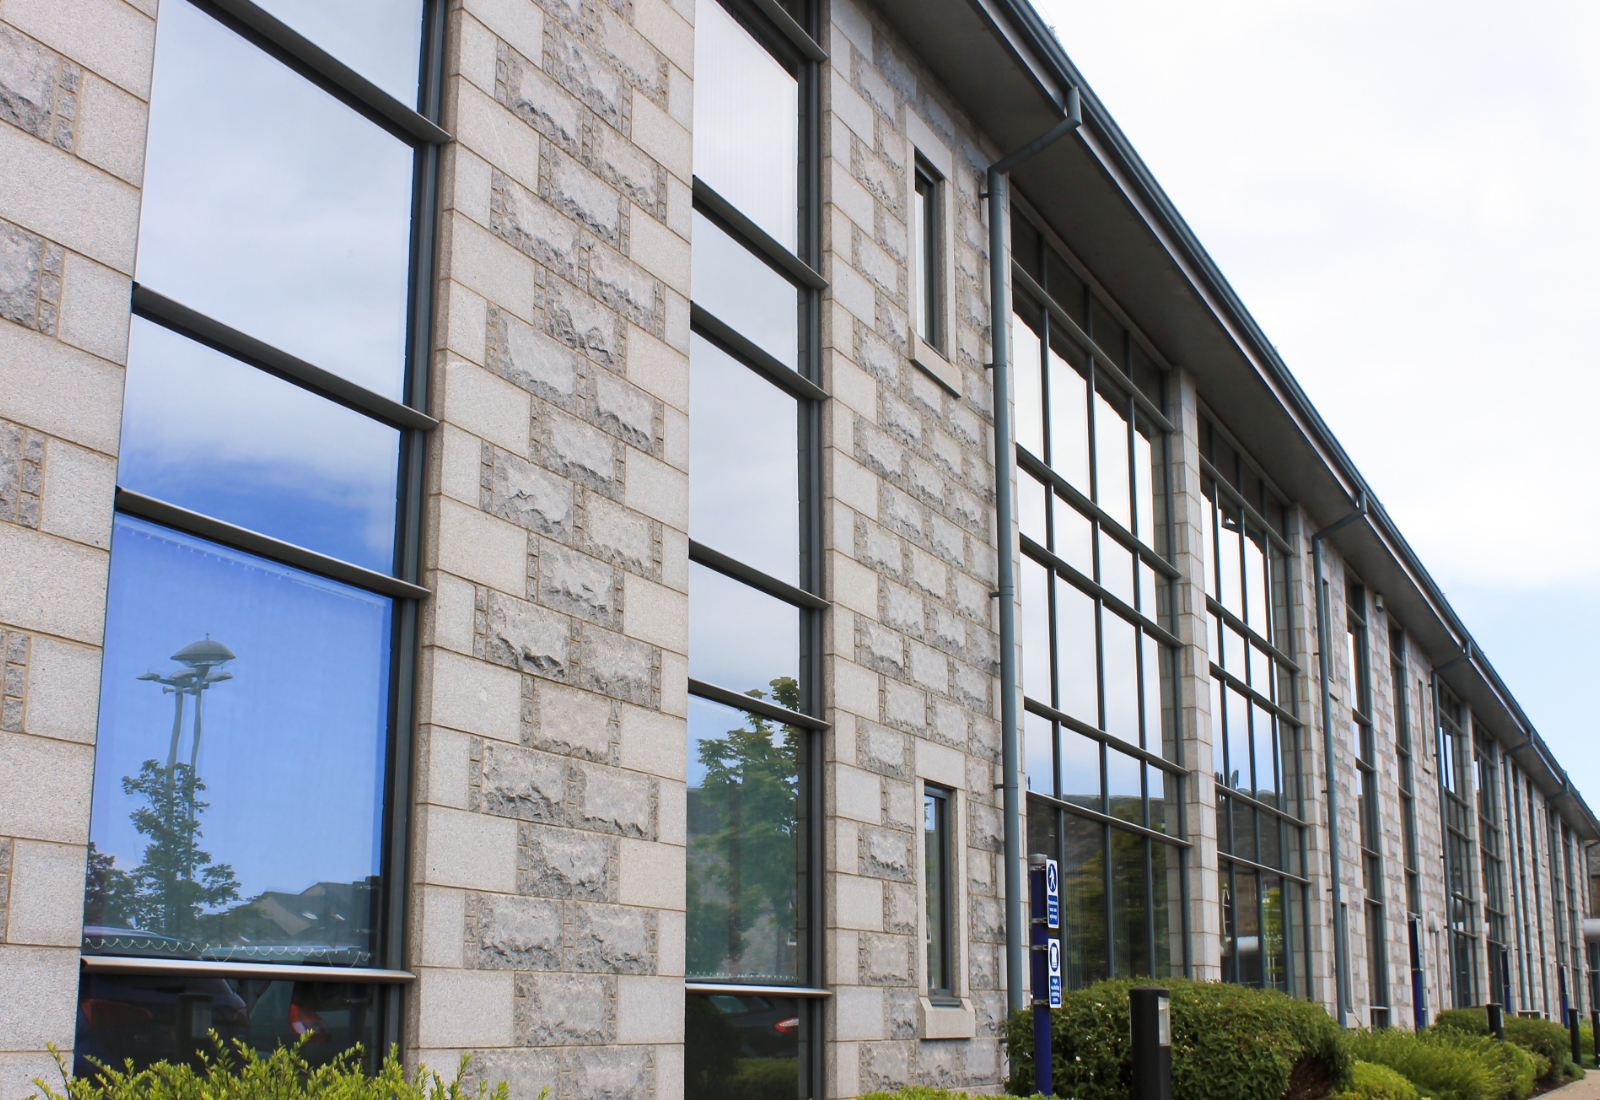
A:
(1229, 1042)
(1370, 1081)
(929, 1092)
(237, 1072)
(1448, 1064)
(1545, 1038)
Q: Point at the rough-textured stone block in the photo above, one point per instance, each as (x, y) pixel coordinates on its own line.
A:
(564, 863)
(521, 783)
(619, 667)
(38, 91)
(579, 585)
(617, 801)
(613, 939)
(622, 537)
(580, 452)
(883, 853)
(881, 750)
(565, 1009)
(526, 357)
(626, 411)
(524, 636)
(538, 100)
(30, 276)
(614, 1073)
(574, 723)
(514, 933)
(529, 496)
(532, 226)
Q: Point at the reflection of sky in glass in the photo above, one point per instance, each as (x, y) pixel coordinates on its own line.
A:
(380, 39)
(1039, 759)
(272, 207)
(292, 753)
(744, 293)
(744, 465)
(739, 638)
(213, 435)
(746, 123)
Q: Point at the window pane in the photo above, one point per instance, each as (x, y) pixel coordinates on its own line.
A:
(744, 463)
(1164, 801)
(1130, 907)
(380, 39)
(1155, 672)
(1146, 484)
(1228, 561)
(744, 843)
(272, 207)
(1027, 379)
(277, 732)
(1119, 642)
(1166, 900)
(1069, 420)
(731, 1040)
(746, 123)
(1116, 568)
(1035, 615)
(1074, 537)
(1080, 770)
(1111, 461)
(1219, 735)
(740, 290)
(935, 853)
(1124, 786)
(167, 1017)
(1083, 902)
(208, 433)
(1075, 656)
(740, 638)
(1255, 582)
(1274, 963)
(1039, 759)
(1032, 507)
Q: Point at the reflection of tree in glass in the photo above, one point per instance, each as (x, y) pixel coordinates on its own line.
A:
(1272, 935)
(177, 881)
(743, 836)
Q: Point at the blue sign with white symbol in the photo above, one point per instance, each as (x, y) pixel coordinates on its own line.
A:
(1052, 894)
(1054, 968)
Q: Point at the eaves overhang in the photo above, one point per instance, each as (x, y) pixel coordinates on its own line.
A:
(1009, 73)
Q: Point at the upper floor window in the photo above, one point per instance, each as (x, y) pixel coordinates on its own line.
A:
(938, 885)
(927, 260)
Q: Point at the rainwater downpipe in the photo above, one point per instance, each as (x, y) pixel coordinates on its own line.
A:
(1006, 576)
(1341, 946)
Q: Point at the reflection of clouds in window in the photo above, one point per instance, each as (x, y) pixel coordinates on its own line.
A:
(213, 435)
(746, 128)
(380, 39)
(739, 638)
(293, 750)
(744, 469)
(272, 207)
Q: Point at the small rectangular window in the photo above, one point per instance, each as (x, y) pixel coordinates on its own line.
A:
(927, 259)
(937, 880)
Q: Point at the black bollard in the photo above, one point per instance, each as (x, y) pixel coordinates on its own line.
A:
(1572, 1029)
(1594, 1030)
(1150, 1017)
(1044, 891)
(1497, 1023)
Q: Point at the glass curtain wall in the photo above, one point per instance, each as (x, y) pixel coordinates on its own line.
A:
(1536, 962)
(1255, 727)
(1405, 758)
(1103, 769)
(248, 803)
(1455, 782)
(1517, 872)
(755, 579)
(1558, 909)
(1496, 907)
(1369, 812)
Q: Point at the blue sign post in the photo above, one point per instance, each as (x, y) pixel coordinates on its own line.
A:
(1044, 881)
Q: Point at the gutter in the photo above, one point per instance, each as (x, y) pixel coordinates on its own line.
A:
(1005, 513)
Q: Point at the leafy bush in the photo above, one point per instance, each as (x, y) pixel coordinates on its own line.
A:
(1547, 1039)
(929, 1092)
(1229, 1042)
(1370, 1081)
(1450, 1064)
(239, 1073)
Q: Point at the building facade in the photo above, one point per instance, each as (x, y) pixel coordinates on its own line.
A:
(512, 542)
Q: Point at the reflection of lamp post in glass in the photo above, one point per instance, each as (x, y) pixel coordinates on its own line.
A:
(202, 660)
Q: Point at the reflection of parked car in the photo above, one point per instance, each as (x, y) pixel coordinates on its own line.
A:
(149, 1018)
(768, 1027)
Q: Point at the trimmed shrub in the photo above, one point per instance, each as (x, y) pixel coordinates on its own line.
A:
(238, 1072)
(930, 1092)
(1545, 1038)
(1229, 1042)
(1370, 1081)
(1448, 1064)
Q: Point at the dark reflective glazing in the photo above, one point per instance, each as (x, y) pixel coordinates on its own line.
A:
(742, 1046)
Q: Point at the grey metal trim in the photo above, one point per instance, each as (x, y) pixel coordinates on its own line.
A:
(755, 578)
(1044, 710)
(1262, 867)
(1242, 627)
(739, 701)
(721, 332)
(1089, 586)
(1255, 696)
(122, 964)
(1265, 807)
(1082, 503)
(247, 349)
(170, 515)
(709, 202)
(325, 70)
(793, 31)
(1255, 518)
(769, 990)
(1114, 822)
(1059, 316)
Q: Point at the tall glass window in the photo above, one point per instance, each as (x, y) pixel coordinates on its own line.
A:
(262, 601)
(755, 582)
(1256, 732)
(1496, 909)
(1368, 810)
(1405, 759)
(938, 887)
(1455, 780)
(1103, 768)
(927, 262)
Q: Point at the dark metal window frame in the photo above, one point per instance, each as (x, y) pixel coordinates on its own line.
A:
(1371, 818)
(1117, 386)
(1218, 485)
(930, 251)
(418, 128)
(1457, 817)
(794, 44)
(943, 799)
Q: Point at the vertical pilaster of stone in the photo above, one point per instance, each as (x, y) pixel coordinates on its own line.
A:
(1190, 550)
(547, 878)
(74, 92)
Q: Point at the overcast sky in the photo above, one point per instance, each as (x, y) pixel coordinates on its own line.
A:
(1404, 194)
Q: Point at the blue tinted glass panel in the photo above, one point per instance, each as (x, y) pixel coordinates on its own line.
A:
(208, 433)
(741, 291)
(272, 207)
(380, 39)
(240, 758)
(155, 1018)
